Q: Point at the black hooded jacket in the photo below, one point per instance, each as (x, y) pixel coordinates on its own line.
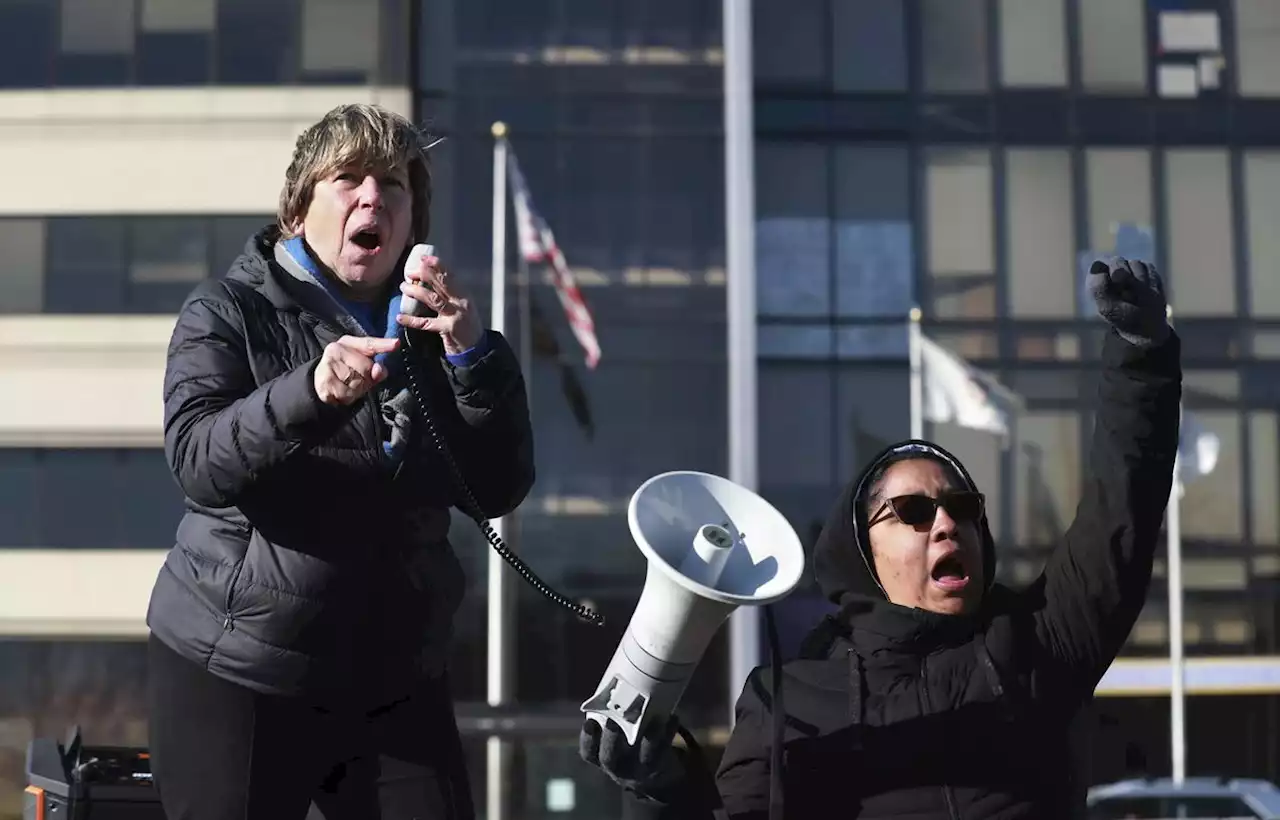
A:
(899, 713)
(307, 563)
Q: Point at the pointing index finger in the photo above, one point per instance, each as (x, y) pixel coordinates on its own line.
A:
(370, 345)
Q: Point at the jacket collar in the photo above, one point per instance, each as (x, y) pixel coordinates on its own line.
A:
(876, 626)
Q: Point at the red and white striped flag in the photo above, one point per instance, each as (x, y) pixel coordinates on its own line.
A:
(538, 244)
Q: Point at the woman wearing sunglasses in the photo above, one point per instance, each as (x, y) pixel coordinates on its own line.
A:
(935, 692)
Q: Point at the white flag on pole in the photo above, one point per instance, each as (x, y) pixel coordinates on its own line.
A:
(955, 392)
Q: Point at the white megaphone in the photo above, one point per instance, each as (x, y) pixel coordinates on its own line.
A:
(712, 546)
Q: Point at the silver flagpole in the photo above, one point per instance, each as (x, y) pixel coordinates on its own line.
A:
(498, 752)
(1177, 664)
(740, 297)
(915, 355)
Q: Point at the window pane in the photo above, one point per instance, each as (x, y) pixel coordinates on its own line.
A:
(1113, 46)
(793, 231)
(874, 412)
(178, 15)
(257, 41)
(868, 45)
(961, 256)
(1119, 196)
(1262, 216)
(22, 247)
(169, 249)
(86, 272)
(1202, 259)
(339, 37)
(797, 466)
(96, 43)
(954, 45)
(874, 265)
(19, 501)
(1212, 506)
(789, 37)
(230, 234)
(1033, 50)
(175, 45)
(980, 453)
(1264, 473)
(126, 499)
(1047, 485)
(1040, 236)
(28, 38)
(97, 27)
(1257, 31)
(393, 46)
(795, 342)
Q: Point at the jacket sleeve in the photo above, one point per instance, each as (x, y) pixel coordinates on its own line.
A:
(1095, 584)
(742, 778)
(493, 443)
(221, 429)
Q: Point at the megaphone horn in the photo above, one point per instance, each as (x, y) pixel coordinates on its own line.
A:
(712, 546)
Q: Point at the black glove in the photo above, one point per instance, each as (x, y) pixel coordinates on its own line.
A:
(652, 769)
(1130, 297)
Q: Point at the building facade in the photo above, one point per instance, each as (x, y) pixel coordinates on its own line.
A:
(959, 155)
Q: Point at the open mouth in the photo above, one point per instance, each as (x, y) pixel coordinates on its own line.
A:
(367, 238)
(950, 572)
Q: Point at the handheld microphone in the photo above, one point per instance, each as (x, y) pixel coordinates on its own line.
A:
(412, 306)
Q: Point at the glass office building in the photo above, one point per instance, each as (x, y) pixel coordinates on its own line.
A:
(959, 155)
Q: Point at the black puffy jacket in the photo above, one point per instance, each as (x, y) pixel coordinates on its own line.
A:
(307, 563)
(894, 712)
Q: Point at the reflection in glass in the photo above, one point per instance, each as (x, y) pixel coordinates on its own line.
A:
(1257, 30)
(868, 45)
(23, 243)
(79, 281)
(96, 27)
(173, 16)
(1202, 259)
(1213, 506)
(1264, 475)
(793, 230)
(1261, 180)
(1033, 50)
(126, 499)
(339, 39)
(1118, 199)
(875, 258)
(959, 211)
(1113, 46)
(1047, 479)
(790, 36)
(980, 452)
(257, 42)
(1040, 235)
(28, 37)
(168, 249)
(954, 46)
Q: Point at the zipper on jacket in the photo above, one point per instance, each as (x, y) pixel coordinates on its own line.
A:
(228, 622)
(927, 708)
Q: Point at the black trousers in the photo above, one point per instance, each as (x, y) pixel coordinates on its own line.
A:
(220, 751)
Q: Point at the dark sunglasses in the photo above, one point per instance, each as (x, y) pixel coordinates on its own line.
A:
(914, 510)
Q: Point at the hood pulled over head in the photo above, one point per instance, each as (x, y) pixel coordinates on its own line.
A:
(842, 560)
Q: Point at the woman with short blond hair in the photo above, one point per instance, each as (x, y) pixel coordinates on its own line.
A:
(301, 622)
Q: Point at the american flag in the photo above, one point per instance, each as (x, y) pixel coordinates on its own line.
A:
(538, 244)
